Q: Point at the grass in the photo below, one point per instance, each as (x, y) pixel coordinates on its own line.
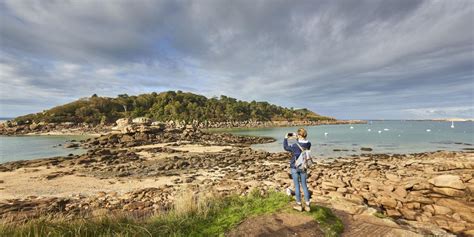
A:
(379, 215)
(330, 224)
(192, 216)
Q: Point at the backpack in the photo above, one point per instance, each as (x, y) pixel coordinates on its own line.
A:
(304, 160)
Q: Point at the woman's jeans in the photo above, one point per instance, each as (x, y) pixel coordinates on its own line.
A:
(298, 174)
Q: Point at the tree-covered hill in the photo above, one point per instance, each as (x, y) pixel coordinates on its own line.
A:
(167, 106)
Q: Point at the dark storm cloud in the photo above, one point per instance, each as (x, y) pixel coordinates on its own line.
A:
(349, 59)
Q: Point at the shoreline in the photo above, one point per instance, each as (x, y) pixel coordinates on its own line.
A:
(355, 150)
(126, 124)
(57, 133)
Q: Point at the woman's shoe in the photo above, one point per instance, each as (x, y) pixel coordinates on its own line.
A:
(298, 207)
(307, 208)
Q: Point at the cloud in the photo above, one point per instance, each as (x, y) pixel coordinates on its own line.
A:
(443, 112)
(365, 59)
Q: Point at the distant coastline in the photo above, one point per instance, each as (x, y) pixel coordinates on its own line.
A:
(454, 120)
(440, 119)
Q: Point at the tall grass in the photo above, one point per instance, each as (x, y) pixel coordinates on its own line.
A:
(191, 216)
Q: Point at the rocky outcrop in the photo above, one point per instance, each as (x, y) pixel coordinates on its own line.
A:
(425, 190)
(12, 128)
(106, 149)
(448, 181)
(144, 135)
(143, 202)
(142, 121)
(127, 125)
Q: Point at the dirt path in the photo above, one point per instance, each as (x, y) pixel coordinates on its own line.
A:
(279, 225)
(295, 224)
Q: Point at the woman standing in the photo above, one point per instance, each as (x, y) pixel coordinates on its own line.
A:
(298, 175)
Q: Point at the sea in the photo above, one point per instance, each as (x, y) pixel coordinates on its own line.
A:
(328, 141)
(390, 137)
(13, 148)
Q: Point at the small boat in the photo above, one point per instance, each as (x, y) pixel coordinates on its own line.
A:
(428, 130)
(452, 124)
(351, 127)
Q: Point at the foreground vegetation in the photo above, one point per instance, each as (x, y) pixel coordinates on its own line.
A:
(167, 106)
(191, 217)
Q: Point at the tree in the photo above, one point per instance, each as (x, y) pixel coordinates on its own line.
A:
(168, 105)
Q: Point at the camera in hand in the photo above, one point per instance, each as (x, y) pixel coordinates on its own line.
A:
(290, 134)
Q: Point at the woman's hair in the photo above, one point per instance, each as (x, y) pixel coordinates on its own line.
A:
(302, 132)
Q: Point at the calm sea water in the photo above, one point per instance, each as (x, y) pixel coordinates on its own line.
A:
(381, 136)
(327, 140)
(33, 147)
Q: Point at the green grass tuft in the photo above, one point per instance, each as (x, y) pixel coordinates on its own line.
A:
(379, 215)
(330, 224)
(212, 217)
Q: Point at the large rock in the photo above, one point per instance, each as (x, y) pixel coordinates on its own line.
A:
(123, 125)
(71, 145)
(408, 214)
(469, 232)
(122, 122)
(354, 198)
(400, 192)
(421, 186)
(413, 205)
(328, 186)
(158, 124)
(393, 213)
(336, 183)
(456, 227)
(448, 181)
(449, 192)
(387, 202)
(142, 121)
(464, 209)
(428, 209)
(392, 177)
(420, 199)
(441, 210)
(347, 207)
(127, 138)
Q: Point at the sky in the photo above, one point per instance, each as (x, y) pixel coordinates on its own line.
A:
(391, 59)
